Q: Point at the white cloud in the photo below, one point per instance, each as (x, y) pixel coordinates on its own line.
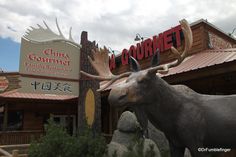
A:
(111, 22)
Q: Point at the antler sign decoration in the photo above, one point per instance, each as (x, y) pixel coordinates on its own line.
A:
(41, 34)
(188, 119)
(48, 57)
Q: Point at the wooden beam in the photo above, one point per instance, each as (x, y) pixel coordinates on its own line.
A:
(5, 153)
(5, 117)
(15, 153)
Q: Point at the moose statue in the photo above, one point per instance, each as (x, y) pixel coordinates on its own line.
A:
(188, 119)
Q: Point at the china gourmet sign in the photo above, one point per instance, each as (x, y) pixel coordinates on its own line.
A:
(148, 47)
(53, 59)
(49, 62)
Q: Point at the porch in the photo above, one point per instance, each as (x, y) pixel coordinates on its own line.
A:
(19, 137)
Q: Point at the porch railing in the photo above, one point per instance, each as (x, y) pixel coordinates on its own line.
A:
(19, 137)
(14, 150)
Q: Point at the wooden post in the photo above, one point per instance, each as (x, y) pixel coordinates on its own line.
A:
(4, 152)
(15, 153)
(5, 117)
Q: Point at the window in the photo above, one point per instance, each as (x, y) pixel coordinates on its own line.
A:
(15, 120)
(67, 121)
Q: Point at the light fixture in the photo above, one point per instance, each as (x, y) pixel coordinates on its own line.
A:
(138, 37)
(230, 34)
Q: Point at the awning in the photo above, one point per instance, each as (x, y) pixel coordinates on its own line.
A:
(15, 94)
(204, 59)
(197, 61)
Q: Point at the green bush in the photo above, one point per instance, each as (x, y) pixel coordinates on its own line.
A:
(58, 143)
(90, 143)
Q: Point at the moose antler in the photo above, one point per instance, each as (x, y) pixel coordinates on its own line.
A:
(101, 65)
(41, 34)
(163, 69)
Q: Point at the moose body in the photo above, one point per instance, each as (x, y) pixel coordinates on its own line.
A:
(188, 119)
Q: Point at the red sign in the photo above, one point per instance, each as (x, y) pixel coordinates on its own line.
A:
(148, 47)
(50, 59)
(3, 84)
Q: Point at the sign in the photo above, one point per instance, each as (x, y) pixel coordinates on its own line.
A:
(148, 47)
(49, 63)
(3, 83)
(48, 86)
(90, 107)
(51, 59)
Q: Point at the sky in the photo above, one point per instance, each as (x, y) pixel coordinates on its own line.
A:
(113, 23)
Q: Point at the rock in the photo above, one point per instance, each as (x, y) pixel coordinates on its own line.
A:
(127, 134)
(160, 139)
(128, 122)
(147, 146)
(117, 148)
(123, 138)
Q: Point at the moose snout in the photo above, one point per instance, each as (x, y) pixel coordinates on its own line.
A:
(116, 96)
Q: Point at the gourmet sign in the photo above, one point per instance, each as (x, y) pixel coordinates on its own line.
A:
(52, 59)
(148, 47)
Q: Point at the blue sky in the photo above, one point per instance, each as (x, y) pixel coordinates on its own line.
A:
(9, 55)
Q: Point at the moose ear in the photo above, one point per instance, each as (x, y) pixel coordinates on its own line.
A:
(156, 58)
(134, 65)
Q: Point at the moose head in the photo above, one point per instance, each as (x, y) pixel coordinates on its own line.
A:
(139, 82)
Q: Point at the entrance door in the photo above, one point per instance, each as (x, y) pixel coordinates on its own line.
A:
(69, 122)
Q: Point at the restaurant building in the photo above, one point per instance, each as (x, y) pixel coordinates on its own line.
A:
(210, 68)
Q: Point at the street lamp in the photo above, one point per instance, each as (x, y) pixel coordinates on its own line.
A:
(138, 37)
(230, 34)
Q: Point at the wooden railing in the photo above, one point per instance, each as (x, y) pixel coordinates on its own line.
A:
(19, 137)
(14, 150)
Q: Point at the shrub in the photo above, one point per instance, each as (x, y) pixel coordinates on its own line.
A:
(58, 143)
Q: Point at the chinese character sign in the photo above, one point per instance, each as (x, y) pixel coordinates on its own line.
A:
(48, 86)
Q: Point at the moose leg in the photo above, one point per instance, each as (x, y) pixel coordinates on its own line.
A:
(176, 151)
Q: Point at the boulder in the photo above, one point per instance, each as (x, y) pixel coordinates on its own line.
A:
(128, 122)
(116, 148)
(128, 135)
